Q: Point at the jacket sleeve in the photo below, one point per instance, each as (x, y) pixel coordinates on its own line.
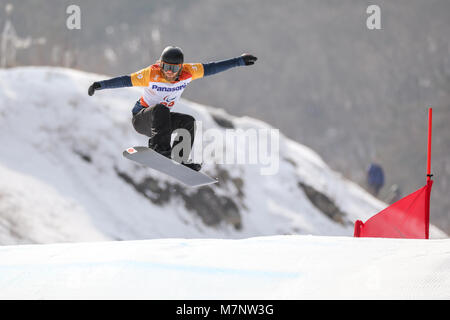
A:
(220, 66)
(139, 78)
(118, 82)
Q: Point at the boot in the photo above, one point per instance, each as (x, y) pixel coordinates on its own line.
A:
(193, 166)
(165, 152)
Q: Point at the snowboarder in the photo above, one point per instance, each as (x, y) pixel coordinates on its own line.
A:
(164, 83)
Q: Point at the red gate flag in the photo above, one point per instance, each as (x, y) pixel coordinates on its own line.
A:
(407, 218)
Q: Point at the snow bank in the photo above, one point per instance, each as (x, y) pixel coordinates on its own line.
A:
(277, 267)
(62, 161)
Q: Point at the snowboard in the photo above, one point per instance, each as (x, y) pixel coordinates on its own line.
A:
(158, 162)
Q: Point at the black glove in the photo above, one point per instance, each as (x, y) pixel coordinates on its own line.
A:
(249, 59)
(93, 87)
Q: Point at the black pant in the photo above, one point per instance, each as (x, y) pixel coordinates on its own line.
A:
(158, 123)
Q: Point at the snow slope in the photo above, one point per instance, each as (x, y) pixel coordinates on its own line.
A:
(276, 267)
(64, 178)
(65, 183)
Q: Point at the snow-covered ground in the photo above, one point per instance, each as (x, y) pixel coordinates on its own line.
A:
(64, 178)
(276, 267)
(65, 184)
(66, 192)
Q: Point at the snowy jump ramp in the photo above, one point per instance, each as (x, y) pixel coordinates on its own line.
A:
(276, 267)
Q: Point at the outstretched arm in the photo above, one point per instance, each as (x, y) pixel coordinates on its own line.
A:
(220, 66)
(140, 78)
(118, 82)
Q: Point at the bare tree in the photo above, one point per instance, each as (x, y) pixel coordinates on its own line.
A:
(10, 42)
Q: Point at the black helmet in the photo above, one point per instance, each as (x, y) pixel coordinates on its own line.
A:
(172, 55)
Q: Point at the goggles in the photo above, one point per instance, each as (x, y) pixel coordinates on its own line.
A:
(172, 67)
